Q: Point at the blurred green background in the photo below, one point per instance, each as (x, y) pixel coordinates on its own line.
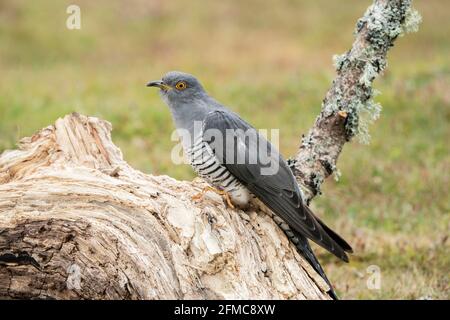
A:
(271, 62)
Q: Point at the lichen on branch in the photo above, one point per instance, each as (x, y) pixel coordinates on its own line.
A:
(349, 107)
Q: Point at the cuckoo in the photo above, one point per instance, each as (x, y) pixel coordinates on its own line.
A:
(240, 163)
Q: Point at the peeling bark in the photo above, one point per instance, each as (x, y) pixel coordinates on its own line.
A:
(76, 221)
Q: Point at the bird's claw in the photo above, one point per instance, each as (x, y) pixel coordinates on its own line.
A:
(222, 193)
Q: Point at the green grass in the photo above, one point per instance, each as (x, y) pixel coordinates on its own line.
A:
(272, 64)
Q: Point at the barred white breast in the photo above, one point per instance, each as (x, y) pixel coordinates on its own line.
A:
(208, 167)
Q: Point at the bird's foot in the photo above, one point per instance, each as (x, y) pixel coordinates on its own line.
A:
(222, 193)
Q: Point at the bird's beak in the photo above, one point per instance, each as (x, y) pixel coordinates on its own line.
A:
(159, 84)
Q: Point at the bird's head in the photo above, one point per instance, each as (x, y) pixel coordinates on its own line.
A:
(178, 88)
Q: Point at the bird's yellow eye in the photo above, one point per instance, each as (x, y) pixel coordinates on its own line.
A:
(181, 85)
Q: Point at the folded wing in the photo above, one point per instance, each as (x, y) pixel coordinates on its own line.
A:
(256, 163)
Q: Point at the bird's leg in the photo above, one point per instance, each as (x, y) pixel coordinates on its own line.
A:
(226, 196)
(222, 193)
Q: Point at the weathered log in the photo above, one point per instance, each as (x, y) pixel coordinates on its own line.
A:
(78, 222)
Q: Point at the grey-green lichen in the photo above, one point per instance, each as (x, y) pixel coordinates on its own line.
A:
(368, 75)
(382, 23)
(338, 60)
(368, 113)
(412, 21)
(337, 175)
(351, 97)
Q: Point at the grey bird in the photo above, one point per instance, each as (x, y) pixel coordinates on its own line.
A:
(238, 166)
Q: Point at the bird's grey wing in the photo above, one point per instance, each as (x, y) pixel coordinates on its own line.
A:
(235, 143)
